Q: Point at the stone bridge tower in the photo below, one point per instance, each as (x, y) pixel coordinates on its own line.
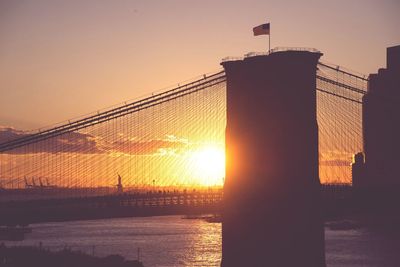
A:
(272, 214)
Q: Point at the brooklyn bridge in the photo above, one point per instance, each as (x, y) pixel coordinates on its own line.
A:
(165, 153)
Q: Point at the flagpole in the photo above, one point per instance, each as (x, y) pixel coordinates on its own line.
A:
(269, 40)
(269, 43)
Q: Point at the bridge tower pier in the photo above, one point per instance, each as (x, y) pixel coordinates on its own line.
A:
(272, 214)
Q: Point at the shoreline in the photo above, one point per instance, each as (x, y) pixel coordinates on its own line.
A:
(21, 256)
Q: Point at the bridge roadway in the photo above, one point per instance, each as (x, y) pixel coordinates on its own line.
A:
(336, 200)
(109, 206)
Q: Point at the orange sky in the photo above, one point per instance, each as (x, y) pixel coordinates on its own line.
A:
(61, 59)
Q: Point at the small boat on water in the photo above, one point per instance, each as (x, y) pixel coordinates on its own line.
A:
(14, 233)
(216, 218)
(192, 217)
(342, 225)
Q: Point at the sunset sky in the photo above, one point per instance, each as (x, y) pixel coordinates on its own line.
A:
(62, 59)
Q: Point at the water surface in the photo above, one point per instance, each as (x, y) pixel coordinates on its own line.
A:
(172, 241)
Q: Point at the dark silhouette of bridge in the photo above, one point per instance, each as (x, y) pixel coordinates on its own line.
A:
(150, 142)
(290, 121)
(153, 143)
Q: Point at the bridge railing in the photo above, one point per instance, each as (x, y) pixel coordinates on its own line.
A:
(274, 50)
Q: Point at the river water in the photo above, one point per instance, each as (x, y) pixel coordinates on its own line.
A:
(172, 241)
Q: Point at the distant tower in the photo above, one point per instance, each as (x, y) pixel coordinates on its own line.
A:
(381, 124)
(120, 188)
(27, 185)
(272, 214)
(357, 171)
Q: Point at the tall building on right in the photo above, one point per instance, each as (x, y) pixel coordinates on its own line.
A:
(381, 126)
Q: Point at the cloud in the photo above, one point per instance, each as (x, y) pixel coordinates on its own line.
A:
(8, 134)
(76, 142)
(336, 162)
(335, 158)
(168, 145)
(66, 143)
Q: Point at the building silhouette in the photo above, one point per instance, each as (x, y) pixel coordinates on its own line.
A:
(381, 126)
(120, 188)
(272, 214)
(358, 170)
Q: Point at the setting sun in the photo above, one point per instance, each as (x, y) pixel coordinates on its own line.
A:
(208, 165)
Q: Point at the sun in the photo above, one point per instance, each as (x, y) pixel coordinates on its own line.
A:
(208, 165)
